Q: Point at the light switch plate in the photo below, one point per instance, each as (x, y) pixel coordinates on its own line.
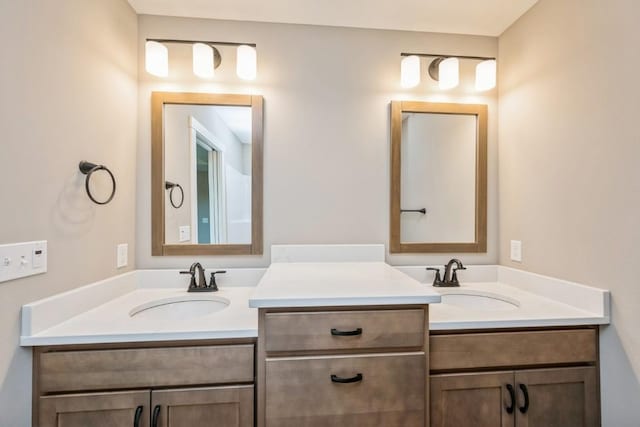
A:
(516, 250)
(185, 233)
(19, 260)
(123, 255)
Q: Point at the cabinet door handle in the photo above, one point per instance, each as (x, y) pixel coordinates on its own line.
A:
(156, 414)
(512, 396)
(525, 392)
(337, 333)
(340, 380)
(137, 416)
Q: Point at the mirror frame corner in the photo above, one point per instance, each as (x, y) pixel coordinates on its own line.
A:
(158, 193)
(479, 245)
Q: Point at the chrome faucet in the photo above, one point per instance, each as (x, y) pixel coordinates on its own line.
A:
(450, 278)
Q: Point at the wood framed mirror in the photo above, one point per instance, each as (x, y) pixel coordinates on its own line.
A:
(206, 174)
(438, 177)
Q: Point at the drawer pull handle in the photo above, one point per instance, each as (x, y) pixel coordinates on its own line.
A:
(525, 392)
(137, 416)
(337, 379)
(156, 414)
(512, 395)
(337, 333)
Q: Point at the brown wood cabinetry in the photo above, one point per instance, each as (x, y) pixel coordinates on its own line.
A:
(343, 367)
(81, 386)
(95, 409)
(545, 379)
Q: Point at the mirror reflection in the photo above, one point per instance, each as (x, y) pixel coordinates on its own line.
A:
(438, 193)
(207, 152)
(438, 178)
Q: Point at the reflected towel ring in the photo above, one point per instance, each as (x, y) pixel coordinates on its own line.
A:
(172, 186)
(88, 169)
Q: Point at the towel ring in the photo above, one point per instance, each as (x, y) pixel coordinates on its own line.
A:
(171, 185)
(88, 169)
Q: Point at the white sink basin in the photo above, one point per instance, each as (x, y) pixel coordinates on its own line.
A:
(180, 308)
(478, 300)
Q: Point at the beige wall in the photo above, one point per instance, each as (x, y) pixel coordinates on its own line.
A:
(569, 179)
(67, 93)
(327, 92)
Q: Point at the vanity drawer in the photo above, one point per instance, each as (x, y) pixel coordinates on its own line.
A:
(390, 392)
(340, 330)
(146, 367)
(512, 349)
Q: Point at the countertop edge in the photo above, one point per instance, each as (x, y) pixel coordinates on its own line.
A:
(39, 341)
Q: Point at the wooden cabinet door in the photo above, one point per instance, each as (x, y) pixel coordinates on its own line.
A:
(566, 397)
(118, 409)
(472, 400)
(212, 406)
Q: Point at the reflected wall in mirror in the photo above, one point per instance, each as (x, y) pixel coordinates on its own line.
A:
(438, 177)
(207, 162)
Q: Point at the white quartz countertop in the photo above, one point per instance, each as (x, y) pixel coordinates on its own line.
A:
(101, 312)
(522, 309)
(111, 320)
(331, 284)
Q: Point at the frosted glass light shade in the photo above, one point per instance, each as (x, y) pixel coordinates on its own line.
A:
(449, 72)
(486, 75)
(156, 59)
(203, 60)
(246, 62)
(410, 71)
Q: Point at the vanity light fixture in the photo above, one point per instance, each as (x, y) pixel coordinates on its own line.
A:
(203, 60)
(448, 73)
(206, 58)
(156, 59)
(246, 62)
(486, 75)
(410, 71)
(445, 69)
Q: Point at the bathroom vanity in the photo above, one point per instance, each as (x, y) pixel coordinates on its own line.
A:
(318, 344)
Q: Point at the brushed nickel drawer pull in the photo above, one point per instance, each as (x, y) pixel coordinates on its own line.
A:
(337, 379)
(337, 333)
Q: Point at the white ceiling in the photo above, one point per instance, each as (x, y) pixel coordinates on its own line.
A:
(481, 17)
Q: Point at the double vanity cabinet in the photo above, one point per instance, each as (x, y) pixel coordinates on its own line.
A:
(331, 345)
(340, 366)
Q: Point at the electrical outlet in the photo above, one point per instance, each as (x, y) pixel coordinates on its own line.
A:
(516, 250)
(122, 255)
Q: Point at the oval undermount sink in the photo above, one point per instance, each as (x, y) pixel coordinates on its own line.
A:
(180, 308)
(478, 301)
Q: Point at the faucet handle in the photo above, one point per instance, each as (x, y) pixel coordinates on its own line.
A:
(437, 280)
(192, 282)
(212, 283)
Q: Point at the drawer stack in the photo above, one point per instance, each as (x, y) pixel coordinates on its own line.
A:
(343, 367)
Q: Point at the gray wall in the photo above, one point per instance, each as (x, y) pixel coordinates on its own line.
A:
(67, 93)
(569, 179)
(327, 93)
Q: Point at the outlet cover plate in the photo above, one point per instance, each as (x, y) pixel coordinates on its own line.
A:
(122, 255)
(516, 250)
(19, 260)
